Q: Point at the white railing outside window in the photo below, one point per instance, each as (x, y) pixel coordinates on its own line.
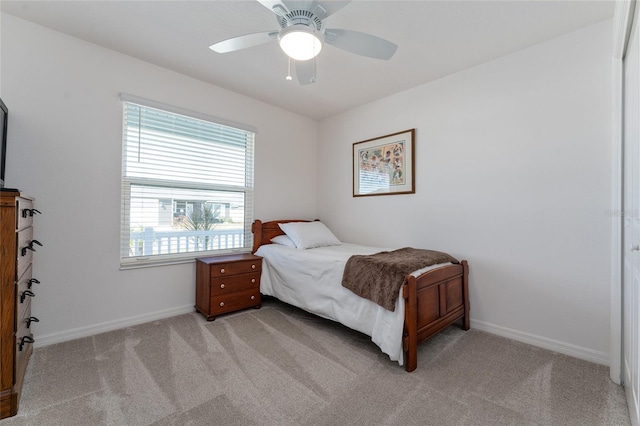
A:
(149, 242)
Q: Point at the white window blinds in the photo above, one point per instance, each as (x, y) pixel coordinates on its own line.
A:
(187, 186)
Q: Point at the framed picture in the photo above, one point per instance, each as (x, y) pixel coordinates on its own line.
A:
(384, 165)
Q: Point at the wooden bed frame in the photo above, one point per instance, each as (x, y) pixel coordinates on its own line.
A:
(433, 300)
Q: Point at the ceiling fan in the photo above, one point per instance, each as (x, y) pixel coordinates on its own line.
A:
(302, 35)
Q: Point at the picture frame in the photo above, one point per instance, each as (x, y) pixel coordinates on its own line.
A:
(384, 165)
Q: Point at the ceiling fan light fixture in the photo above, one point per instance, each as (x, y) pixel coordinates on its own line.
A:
(300, 42)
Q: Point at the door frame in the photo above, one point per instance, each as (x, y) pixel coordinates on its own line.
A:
(622, 23)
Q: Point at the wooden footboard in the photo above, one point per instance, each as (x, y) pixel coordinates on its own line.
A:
(433, 301)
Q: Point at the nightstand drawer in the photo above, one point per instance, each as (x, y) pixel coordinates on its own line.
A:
(234, 268)
(235, 283)
(234, 301)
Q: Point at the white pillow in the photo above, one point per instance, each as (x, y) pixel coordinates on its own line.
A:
(309, 234)
(283, 240)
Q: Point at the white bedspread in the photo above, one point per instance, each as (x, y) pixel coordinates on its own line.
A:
(312, 280)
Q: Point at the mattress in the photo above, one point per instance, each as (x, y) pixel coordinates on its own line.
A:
(311, 280)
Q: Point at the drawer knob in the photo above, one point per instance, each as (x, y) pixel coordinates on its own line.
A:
(32, 281)
(253, 298)
(221, 285)
(30, 320)
(221, 303)
(253, 266)
(253, 280)
(24, 341)
(25, 294)
(222, 271)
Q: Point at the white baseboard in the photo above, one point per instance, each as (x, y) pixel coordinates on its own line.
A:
(543, 342)
(76, 333)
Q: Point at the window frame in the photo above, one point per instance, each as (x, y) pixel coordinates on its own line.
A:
(130, 262)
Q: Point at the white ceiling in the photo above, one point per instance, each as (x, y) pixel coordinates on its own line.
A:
(435, 38)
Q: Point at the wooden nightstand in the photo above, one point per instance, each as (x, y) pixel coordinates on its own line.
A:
(227, 283)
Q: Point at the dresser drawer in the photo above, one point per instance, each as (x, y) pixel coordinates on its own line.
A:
(23, 349)
(234, 268)
(23, 329)
(24, 255)
(24, 213)
(23, 308)
(234, 283)
(23, 280)
(23, 301)
(234, 301)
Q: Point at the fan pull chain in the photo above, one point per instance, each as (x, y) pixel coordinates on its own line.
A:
(288, 77)
(313, 79)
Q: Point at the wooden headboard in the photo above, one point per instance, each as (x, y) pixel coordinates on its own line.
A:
(263, 232)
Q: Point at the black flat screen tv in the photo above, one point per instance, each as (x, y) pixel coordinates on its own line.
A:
(3, 140)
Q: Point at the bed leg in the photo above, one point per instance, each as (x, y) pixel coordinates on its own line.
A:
(411, 360)
(410, 324)
(466, 321)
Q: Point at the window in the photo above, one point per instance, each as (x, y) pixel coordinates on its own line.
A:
(187, 185)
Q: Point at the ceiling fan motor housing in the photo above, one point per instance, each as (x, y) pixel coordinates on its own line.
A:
(300, 17)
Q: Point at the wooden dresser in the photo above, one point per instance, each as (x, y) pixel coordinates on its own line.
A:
(16, 291)
(227, 283)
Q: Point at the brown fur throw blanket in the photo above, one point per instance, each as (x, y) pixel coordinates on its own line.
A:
(378, 277)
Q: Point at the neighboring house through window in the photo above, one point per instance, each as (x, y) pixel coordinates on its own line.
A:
(187, 184)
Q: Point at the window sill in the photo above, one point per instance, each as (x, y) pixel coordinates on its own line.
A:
(151, 263)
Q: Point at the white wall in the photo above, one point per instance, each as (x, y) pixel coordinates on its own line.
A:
(512, 161)
(65, 136)
(513, 173)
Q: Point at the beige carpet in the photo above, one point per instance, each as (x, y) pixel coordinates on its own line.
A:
(281, 366)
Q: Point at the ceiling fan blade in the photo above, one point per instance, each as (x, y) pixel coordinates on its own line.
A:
(243, 42)
(280, 8)
(322, 9)
(360, 43)
(305, 72)
(297, 4)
